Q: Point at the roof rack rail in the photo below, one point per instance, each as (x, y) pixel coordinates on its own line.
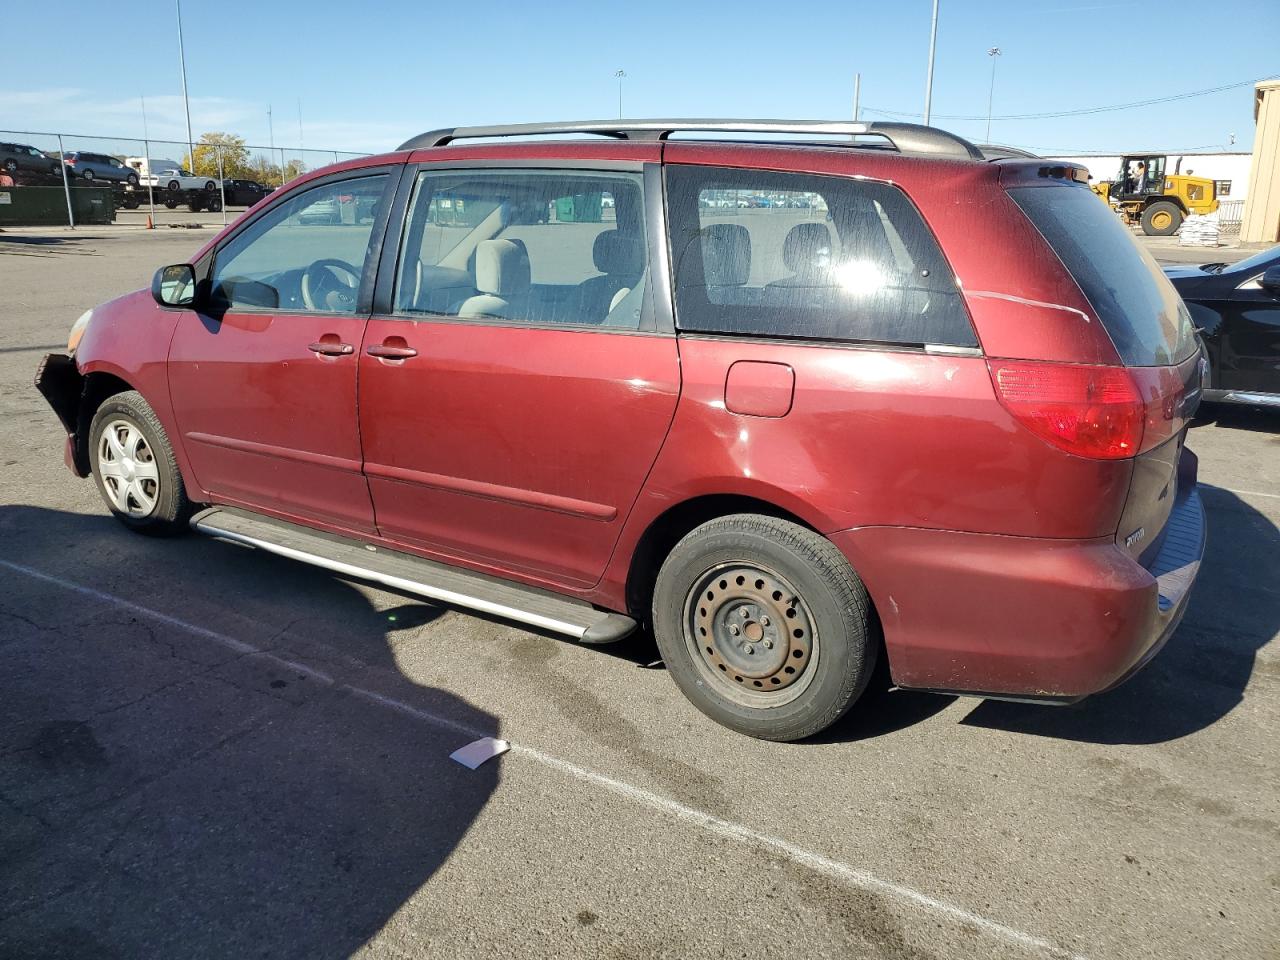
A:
(903, 137)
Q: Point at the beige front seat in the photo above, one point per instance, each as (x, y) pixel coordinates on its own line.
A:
(502, 279)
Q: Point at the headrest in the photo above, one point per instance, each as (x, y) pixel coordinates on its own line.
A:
(807, 248)
(615, 252)
(726, 254)
(502, 267)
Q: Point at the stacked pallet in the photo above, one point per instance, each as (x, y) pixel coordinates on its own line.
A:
(1199, 231)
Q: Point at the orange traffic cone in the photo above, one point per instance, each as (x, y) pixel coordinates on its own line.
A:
(150, 225)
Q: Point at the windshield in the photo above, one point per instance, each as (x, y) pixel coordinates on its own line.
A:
(1258, 262)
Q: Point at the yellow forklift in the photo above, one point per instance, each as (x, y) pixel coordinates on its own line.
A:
(1144, 194)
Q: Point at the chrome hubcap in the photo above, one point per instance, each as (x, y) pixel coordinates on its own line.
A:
(751, 633)
(127, 469)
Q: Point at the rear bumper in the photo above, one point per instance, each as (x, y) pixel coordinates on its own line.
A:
(1025, 619)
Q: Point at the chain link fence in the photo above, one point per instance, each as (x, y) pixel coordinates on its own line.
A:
(125, 180)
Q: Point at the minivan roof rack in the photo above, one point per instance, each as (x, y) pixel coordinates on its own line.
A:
(903, 137)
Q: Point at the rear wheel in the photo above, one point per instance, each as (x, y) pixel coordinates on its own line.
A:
(764, 626)
(11, 166)
(87, 174)
(134, 467)
(1161, 219)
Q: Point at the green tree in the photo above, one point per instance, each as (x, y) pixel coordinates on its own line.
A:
(234, 154)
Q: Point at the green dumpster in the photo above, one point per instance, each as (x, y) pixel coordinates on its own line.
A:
(47, 206)
(579, 208)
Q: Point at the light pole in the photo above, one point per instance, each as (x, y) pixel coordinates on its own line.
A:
(928, 83)
(620, 75)
(182, 60)
(991, 94)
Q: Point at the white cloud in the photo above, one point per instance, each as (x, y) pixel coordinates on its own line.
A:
(81, 113)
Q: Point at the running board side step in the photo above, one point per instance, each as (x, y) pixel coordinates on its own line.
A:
(415, 575)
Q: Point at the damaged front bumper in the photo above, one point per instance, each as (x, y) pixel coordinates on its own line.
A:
(60, 382)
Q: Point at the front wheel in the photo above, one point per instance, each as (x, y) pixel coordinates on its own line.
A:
(134, 467)
(1161, 219)
(11, 166)
(764, 626)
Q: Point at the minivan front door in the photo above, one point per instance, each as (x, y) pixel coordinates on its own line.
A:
(517, 391)
(264, 381)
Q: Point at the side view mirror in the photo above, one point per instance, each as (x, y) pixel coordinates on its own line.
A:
(1270, 281)
(174, 286)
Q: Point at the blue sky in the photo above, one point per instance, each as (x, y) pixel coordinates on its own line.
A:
(369, 75)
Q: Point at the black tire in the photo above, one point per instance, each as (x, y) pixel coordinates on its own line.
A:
(11, 166)
(87, 174)
(215, 203)
(1161, 219)
(825, 625)
(171, 509)
(171, 204)
(210, 185)
(131, 179)
(174, 185)
(195, 206)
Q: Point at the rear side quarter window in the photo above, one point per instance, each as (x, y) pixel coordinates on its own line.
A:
(802, 256)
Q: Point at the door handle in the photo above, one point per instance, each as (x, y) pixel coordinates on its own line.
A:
(386, 351)
(330, 349)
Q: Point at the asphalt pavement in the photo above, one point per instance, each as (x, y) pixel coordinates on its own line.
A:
(211, 752)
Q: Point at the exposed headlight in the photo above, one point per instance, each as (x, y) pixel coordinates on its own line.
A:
(77, 330)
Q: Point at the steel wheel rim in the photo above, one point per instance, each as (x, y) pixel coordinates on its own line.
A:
(127, 469)
(1161, 220)
(771, 658)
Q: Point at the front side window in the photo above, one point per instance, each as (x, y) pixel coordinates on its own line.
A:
(536, 246)
(306, 254)
(797, 255)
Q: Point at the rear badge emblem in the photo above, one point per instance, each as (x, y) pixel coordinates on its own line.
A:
(1135, 537)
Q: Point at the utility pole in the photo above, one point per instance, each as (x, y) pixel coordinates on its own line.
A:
(991, 94)
(620, 75)
(857, 94)
(928, 83)
(182, 59)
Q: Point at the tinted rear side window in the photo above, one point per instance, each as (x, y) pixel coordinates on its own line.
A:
(1132, 297)
(798, 255)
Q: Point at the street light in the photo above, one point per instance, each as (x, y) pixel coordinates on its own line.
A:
(620, 75)
(992, 53)
(928, 82)
(182, 60)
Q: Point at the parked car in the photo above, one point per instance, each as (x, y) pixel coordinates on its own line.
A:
(791, 446)
(244, 193)
(18, 158)
(99, 166)
(1236, 309)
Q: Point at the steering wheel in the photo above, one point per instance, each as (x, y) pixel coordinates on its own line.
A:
(323, 289)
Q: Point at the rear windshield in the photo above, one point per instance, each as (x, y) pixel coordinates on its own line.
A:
(1132, 297)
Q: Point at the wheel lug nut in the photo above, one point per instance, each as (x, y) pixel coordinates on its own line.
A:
(764, 621)
(744, 613)
(750, 649)
(733, 628)
(768, 644)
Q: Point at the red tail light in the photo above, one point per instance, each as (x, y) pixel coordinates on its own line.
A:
(1089, 411)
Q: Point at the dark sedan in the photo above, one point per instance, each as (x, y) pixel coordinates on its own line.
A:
(243, 193)
(1236, 308)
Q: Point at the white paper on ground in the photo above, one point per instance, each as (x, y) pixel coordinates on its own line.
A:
(478, 751)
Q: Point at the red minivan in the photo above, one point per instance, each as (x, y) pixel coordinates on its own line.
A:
(795, 405)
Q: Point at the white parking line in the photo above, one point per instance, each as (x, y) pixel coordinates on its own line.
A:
(1251, 493)
(834, 869)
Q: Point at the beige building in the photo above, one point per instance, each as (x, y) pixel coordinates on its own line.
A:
(1261, 222)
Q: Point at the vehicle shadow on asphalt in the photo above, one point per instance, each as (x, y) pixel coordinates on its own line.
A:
(164, 793)
(1202, 673)
(1239, 417)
